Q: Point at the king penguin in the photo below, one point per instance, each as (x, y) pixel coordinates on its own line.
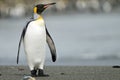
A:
(34, 37)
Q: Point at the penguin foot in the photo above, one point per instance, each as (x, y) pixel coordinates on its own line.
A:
(33, 73)
(41, 73)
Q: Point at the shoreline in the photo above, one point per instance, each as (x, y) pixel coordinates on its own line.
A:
(63, 73)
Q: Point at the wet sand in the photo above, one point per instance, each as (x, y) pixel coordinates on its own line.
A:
(63, 73)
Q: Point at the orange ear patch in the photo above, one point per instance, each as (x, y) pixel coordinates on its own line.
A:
(35, 9)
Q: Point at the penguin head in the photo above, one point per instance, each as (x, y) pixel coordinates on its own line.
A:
(41, 7)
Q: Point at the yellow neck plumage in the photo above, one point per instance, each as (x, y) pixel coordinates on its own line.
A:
(40, 18)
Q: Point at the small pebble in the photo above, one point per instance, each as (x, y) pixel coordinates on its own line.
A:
(62, 73)
(116, 66)
(28, 78)
(20, 69)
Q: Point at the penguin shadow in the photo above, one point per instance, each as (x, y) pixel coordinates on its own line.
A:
(22, 72)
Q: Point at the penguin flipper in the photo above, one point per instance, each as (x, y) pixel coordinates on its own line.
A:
(20, 45)
(21, 38)
(51, 45)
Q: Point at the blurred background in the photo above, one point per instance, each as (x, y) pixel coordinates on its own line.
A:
(85, 32)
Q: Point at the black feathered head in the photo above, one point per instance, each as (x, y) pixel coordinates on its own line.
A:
(41, 7)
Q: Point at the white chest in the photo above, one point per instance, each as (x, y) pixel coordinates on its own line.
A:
(36, 28)
(35, 37)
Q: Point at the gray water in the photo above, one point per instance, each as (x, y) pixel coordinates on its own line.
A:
(88, 39)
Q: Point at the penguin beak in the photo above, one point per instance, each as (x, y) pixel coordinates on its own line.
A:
(47, 5)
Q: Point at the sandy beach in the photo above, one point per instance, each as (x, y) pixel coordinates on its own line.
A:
(63, 73)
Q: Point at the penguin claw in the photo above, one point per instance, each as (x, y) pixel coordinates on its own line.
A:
(41, 73)
(33, 73)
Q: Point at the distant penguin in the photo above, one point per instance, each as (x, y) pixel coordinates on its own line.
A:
(34, 36)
